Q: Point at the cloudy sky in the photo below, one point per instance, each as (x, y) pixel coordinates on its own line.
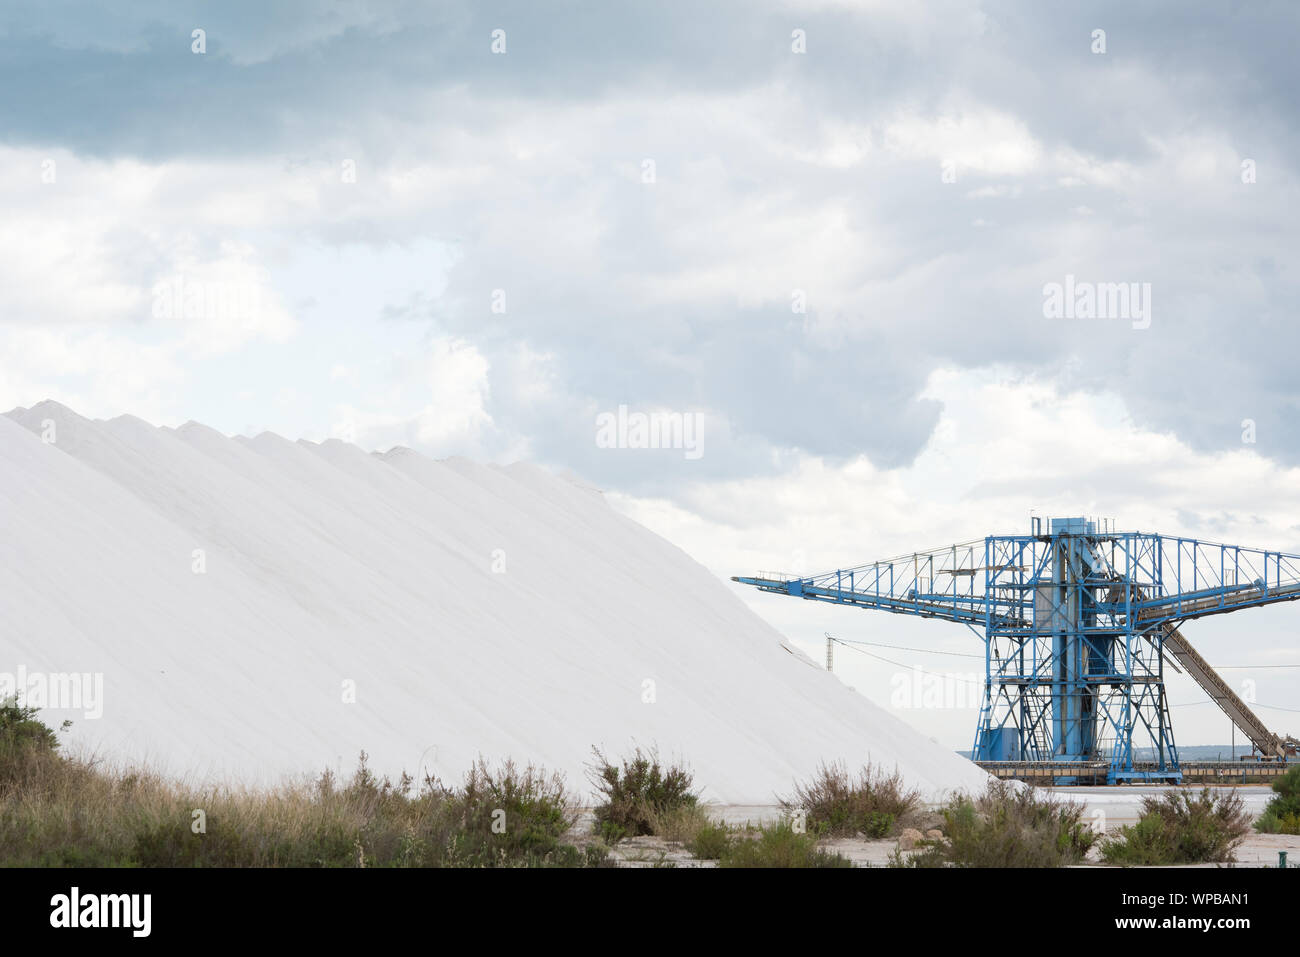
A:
(829, 231)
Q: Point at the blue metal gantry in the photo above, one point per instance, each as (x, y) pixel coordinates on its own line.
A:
(1078, 622)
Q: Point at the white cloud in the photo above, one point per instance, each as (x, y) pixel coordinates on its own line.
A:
(976, 139)
(91, 246)
(453, 387)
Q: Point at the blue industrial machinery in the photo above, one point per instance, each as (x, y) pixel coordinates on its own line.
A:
(1078, 623)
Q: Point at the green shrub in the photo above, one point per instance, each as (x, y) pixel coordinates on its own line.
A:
(609, 832)
(878, 824)
(1282, 816)
(522, 812)
(20, 728)
(711, 842)
(637, 794)
(1009, 825)
(839, 804)
(778, 845)
(1177, 828)
(28, 748)
(596, 855)
(1271, 823)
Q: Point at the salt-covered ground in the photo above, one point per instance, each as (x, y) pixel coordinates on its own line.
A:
(1120, 806)
(1123, 804)
(1255, 850)
(237, 593)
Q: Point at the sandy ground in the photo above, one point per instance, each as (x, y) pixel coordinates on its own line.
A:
(1109, 807)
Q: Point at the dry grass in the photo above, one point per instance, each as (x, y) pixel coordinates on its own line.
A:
(778, 844)
(58, 810)
(681, 823)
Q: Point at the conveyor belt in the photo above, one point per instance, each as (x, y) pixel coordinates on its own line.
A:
(1265, 740)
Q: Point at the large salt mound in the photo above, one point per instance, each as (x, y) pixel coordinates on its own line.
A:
(327, 565)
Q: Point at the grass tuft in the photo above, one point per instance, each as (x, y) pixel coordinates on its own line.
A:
(711, 842)
(777, 845)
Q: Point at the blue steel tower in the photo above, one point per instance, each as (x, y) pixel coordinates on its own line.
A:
(1078, 623)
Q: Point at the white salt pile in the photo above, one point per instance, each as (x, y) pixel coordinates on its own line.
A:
(260, 607)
